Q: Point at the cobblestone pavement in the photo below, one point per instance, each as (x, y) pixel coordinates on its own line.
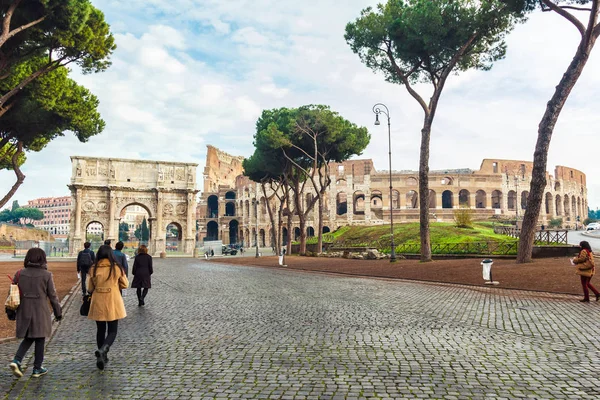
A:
(218, 331)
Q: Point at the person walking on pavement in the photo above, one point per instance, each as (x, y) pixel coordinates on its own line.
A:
(142, 270)
(34, 322)
(105, 280)
(121, 257)
(85, 259)
(586, 268)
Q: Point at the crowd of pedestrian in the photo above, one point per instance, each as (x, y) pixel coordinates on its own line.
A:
(104, 276)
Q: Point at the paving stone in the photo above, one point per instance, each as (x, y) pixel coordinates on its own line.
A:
(216, 331)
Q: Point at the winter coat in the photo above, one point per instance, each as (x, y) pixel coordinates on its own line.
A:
(122, 260)
(81, 267)
(107, 302)
(142, 269)
(33, 315)
(584, 263)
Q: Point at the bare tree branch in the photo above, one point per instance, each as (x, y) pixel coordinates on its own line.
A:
(18, 173)
(565, 14)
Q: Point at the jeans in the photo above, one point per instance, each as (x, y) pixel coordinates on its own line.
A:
(101, 337)
(586, 284)
(83, 279)
(39, 351)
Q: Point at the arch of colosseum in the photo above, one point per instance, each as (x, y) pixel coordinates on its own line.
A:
(232, 207)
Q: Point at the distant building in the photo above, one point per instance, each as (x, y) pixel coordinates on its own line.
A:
(133, 216)
(57, 212)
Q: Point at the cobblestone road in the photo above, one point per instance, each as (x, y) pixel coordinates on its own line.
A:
(217, 331)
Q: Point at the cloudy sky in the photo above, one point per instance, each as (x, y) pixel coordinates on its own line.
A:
(188, 73)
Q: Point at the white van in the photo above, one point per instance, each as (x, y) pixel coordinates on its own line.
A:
(592, 226)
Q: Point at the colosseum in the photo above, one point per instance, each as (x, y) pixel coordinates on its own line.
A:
(360, 195)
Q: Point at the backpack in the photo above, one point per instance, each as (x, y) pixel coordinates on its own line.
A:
(85, 261)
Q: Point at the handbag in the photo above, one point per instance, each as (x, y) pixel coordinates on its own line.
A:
(84, 310)
(14, 296)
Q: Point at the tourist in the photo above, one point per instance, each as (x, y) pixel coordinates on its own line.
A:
(34, 322)
(142, 269)
(107, 242)
(120, 257)
(586, 269)
(85, 259)
(106, 278)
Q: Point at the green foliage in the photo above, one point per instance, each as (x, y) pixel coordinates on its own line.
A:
(6, 215)
(123, 231)
(15, 206)
(6, 155)
(422, 37)
(21, 215)
(142, 233)
(556, 222)
(463, 217)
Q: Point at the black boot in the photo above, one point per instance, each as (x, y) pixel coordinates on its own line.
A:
(101, 358)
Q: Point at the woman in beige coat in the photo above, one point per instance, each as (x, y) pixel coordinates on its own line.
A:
(586, 269)
(105, 280)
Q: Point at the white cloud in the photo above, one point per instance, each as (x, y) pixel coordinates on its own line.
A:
(193, 72)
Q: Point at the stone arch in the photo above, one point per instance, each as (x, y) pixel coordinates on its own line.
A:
(230, 195)
(376, 199)
(94, 228)
(247, 205)
(579, 211)
(263, 206)
(212, 231)
(212, 206)
(567, 206)
(497, 199)
(230, 209)
(341, 203)
(524, 199)
(395, 199)
(411, 181)
(574, 206)
(326, 229)
(512, 200)
(412, 199)
(233, 231)
(296, 233)
(447, 181)
(173, 236)
(464, 198)
(548, 203)
(557, 186)
(480, 199)
(359, 202)
(432, 199)
(447, 199)
(310, 231)
(309, 197)
(558, 205)
(262, 238)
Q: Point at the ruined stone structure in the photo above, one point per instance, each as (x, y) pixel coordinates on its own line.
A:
(102, 187)
(232, 207)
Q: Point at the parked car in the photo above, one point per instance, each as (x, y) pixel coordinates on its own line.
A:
(227, 250)
(592, 226)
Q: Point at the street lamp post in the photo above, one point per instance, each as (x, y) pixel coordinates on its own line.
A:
(256, 227)
(377, 110)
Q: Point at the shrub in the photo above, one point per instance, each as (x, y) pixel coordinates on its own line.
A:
(556, 222)
(463, 217)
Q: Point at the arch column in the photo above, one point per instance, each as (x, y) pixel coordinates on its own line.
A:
(76, 241)
(456, 199)
(190, 237)
(438, 200)
(488, 200)
(156, 246)
(473, 200)
(367, 206)
(112, 218)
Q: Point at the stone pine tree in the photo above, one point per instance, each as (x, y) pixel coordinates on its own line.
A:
(301, 142)
(123, 231)
(424, 41)
(583, 16)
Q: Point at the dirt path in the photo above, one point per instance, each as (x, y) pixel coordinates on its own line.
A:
(65, 276)
(548, 275)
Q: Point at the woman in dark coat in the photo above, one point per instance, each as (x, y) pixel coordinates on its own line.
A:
(34, 323)
(142, 269)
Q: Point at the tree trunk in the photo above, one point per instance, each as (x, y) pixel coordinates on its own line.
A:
(320, 235)
(274, 236)
(540, 156)
(424, 191)
(18, 173)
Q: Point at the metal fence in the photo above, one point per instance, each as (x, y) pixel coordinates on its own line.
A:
(548, 236)
(483, 248)
(52, 249)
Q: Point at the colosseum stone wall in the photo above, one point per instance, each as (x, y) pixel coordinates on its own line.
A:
(360, 195)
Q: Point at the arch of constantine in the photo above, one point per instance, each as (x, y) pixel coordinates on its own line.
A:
(233, 209)
(101, 188)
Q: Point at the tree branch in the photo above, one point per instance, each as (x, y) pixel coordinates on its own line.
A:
(18, 173)
(404, 79)
(565, 14)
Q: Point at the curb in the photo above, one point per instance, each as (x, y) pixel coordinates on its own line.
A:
(63, 306)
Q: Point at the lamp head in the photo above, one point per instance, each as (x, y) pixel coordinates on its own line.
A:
(376, 119)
